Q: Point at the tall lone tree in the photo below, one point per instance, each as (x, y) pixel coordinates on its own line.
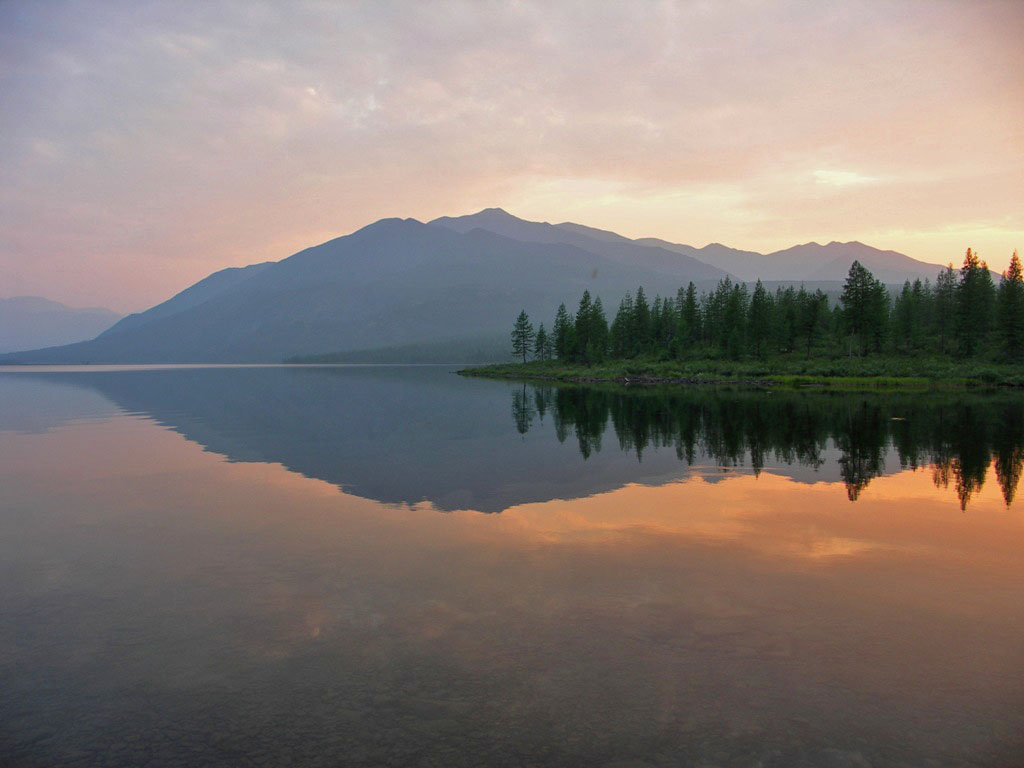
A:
(522, 336)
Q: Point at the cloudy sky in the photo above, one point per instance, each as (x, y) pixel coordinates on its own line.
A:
(145, 145)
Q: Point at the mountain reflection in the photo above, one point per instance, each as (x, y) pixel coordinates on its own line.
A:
(409, 435)
(958, 435)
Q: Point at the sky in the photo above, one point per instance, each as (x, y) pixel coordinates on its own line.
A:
(147, 144)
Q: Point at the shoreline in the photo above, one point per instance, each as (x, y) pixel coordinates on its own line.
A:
(648, 375)
(627, 381)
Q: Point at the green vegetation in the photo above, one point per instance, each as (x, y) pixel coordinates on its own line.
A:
(961, 330)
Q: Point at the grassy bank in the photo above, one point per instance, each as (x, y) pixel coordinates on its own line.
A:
(838, 373)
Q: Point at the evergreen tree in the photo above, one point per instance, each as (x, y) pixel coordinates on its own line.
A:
(944, 304)
(785, 326)
(541, 344)
(621, 334)
(878, 314)
(669, 312)
(865, 307)
(1010, 311)
(812, 316)
(974, 298)
(734, 321)
(719, 307)
(910, 316)
(920, 295)
(522, 336)
(597, 345)
(641, 322)
(759, 320)
(583, 327)
(563, 332)
(657, 331)
(688, 329)
(903, 317)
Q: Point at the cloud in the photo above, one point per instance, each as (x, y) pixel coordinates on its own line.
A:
(843, 178)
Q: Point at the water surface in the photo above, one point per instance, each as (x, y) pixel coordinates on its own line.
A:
(397, 566)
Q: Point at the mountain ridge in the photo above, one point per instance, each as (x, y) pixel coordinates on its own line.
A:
(399, 281)
(30, 322)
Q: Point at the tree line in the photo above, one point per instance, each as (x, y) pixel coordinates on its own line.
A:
(962, 314)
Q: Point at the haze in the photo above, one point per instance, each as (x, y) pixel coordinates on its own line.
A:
(147, 145)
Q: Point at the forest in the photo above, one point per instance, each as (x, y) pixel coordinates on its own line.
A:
(962, 315)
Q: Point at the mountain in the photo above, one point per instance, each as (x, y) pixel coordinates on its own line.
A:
(807, 263)
(395, 282)
(810, 262)
(30, 322)
(619, 249)
(400, 288)
(206, 289)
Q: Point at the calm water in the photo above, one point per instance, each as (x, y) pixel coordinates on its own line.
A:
(397, 566)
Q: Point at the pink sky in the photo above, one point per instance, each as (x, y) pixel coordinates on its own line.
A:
(147, 145)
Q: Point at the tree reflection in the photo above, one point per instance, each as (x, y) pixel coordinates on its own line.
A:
(959, 436)
(522, 410)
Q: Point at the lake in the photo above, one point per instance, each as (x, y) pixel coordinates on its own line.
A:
(397, 566)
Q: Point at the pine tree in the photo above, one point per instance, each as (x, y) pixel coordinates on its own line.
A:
(563, 332)
(621, 334)
(734, 321)
(920, 295)
(975, 297)
(688, 330)
(785, 326)
(583, 327)
(865, 307)
(540, 344)
(903, 317)
(1010, 311)
(522, 336)
(812, 316)
(641, 322)
(597, 345)
(944, 303)
(759, 320)
(878, 313)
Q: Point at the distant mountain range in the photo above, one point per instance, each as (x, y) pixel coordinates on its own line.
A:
(807, 263)
(31, 322)
(450, 284)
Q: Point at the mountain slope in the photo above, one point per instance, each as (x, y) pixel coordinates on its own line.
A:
(615, 247)
(30, 322)
(392, 283)
(206, 289)
(802, 263)
(807, 263)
